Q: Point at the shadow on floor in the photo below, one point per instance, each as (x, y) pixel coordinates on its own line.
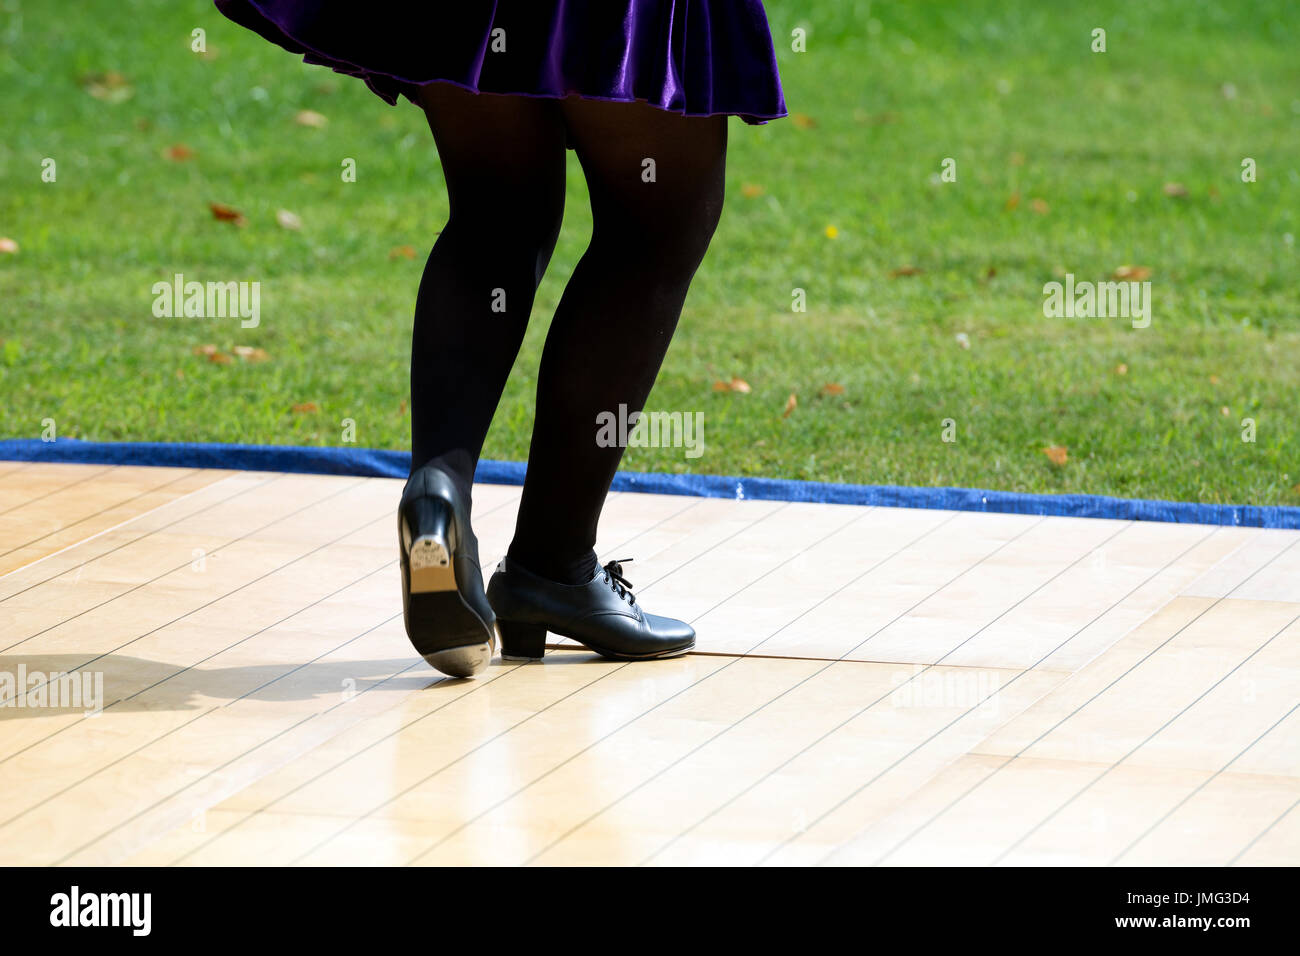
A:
(60, 684)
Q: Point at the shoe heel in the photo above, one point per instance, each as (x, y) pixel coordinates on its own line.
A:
(521, 642)
(428, 537)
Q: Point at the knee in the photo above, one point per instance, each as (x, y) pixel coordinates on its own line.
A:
(521, 238)
(507, 219)
(700, 220)
(673, 234)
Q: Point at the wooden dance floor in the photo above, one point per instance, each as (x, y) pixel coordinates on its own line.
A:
(871, 686)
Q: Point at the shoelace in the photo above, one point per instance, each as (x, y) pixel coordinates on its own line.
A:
(614, 577)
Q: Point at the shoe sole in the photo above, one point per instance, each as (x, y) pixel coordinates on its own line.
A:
(468, 660)
(609, 655)
(438, 616)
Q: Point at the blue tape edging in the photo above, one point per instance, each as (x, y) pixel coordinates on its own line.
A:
(371, 462)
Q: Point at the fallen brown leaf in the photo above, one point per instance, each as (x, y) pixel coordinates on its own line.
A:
(1132, 273)
(310, 118)
(212, 354)
(1057, 455)
(802, 120)
(402, 252)
(790, 404)
(832, 388)
(110, 86)
(178, 153)
(751, 190)
(1176, 190)
(1121, 369)
(305, 408)
(227, 213)
(1012, 202)
(735, 385)
(251, 354)
(905, 271)
(1039, 206)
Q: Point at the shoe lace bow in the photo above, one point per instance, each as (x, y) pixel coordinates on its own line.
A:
(614, 577)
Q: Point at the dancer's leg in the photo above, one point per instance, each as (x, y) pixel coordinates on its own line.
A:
(656, 181)
(503, 161)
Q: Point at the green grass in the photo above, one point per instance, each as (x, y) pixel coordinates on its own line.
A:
(1010, 90)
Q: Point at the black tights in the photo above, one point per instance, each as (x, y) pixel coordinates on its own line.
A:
(503, 158)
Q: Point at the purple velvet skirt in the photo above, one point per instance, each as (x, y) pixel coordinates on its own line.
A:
(694, 57)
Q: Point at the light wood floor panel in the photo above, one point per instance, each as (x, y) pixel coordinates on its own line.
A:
(870, 685)
(23, 488)
(1276, 581)
(851, 724)
(57, 521)
(1126, 712)
(438, 739)
(1147, 597)
(1065, 598)
(1278, 845)
(768, 615)
(1135, 817)
(1114, 748)
(197, 536)
(1260, 550)
(159, 520)
(373, 714)
(909, 562)
(204, 728)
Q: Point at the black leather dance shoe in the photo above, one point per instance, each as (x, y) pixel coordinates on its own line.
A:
(448, 617)
(601, 614)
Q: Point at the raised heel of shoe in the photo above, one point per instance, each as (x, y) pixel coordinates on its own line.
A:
(428, 537)
(521, 642)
